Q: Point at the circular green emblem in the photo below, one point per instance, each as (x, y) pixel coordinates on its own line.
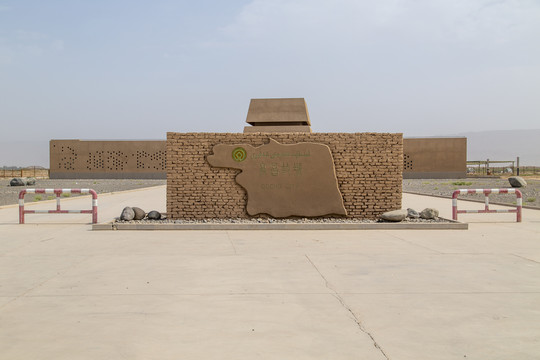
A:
(239, 154)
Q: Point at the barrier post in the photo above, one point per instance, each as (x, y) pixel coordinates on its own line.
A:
(487, 192)
(58, 210)
(21, 206)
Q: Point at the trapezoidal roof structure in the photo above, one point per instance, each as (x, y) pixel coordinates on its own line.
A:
(278, 115)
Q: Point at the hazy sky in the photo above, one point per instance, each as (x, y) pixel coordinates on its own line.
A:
(120, 69)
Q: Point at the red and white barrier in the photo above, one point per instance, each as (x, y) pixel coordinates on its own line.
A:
(58, 210)
(487, 192)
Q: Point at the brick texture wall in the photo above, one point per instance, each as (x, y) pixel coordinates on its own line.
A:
(368, 168)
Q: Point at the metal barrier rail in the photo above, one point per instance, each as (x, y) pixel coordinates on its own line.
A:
(58, 192)
(486, 192)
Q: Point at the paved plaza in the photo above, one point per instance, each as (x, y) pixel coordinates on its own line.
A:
(67, 292)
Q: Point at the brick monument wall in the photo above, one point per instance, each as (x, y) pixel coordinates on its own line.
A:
(368, 168)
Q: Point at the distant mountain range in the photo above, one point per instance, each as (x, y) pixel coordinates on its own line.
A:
(493, 145)
(504, 145)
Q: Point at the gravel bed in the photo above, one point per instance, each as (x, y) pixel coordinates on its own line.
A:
(10, 194)
(445, 188)
(276, 221)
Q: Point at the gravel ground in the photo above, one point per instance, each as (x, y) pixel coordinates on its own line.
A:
(10, 194)
(275, 221)
(445, 187)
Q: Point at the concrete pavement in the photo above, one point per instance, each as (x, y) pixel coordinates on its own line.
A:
(70, 293)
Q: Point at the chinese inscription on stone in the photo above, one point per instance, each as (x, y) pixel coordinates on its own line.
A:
(284, 180)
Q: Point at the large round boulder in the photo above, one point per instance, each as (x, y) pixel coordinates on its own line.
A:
(154, 215)
(517, 181)
(395, 215)
(429, 213)
(127, 214)
(30, 181)
(412, 214)
(139, 213)
(16, 182)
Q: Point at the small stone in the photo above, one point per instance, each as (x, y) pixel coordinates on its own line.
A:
(139, 213)
(517, 181)
(413, 214)
(154, 215)
(395, 215)
(16, 182)
(127, 214)
(429, 213)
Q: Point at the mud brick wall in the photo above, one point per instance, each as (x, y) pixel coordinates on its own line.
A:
(368, 168)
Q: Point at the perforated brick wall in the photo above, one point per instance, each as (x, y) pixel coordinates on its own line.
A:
(83, 159)
(368, 168)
